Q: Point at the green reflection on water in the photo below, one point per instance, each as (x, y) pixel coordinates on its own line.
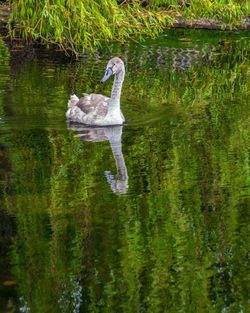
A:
(177, 239)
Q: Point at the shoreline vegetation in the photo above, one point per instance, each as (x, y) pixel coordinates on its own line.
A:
(75, 26)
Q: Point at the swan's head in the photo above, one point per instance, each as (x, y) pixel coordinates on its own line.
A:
(115, 66)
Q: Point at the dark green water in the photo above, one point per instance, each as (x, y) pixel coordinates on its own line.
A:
(161, 225)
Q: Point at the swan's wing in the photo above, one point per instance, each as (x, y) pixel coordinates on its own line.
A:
(94, 102)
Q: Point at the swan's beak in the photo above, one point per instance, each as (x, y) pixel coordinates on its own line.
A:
(107, 74)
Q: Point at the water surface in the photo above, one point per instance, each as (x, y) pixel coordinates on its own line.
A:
(149, 217)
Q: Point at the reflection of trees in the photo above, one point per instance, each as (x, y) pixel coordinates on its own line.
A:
(4, 67)
(176, 242)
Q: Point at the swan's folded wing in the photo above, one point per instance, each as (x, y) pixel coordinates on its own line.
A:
(94, 102)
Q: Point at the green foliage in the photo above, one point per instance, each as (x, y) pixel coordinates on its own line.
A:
(77, 25)
(227, 11)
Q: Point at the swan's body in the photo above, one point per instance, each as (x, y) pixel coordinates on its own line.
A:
(96, 109)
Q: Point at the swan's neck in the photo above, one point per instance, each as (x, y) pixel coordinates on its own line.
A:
(114, 114)
(117, 87)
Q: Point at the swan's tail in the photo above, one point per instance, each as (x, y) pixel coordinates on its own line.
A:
(72, 101)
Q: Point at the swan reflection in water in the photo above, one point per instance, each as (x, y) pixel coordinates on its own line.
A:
(119, 182)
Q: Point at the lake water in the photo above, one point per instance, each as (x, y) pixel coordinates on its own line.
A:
(149, 217)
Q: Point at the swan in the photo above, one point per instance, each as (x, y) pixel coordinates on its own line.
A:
(96, 109)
